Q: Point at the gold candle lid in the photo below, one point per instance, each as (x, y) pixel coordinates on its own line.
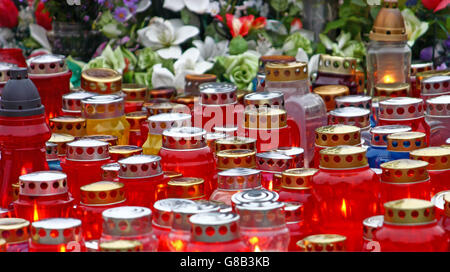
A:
(431, 73)
(336, 65)
(404, 171)
(75, 126)
(330, 92)
(406, 141)
(286, 71)
(134, 92)
(172, 174)
(14, 230)
(236, 158)
(118, 152)
(61, 140)
(186, 188)
(102, 193)
(121, 246)
(409, 211)
(235, 143)
(392, 89)
(438, 158)
(265, 118)
(166, 107)
(110, 139)
(135, 119)
(323, 242)
(343, 157)
(421, 67)
(389, 25)
(194, 81)
(334, 135)
(263, 60)
(163, 92)
(298, 178)
(101, 80)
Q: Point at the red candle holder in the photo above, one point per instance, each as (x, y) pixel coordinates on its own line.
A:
(134, 96)
(13, 56)
(180, 235)
(335, 135)
(23, 132)
(415, 69)
(143, 179)
(163, 219)
(161, 93)
(215, 232)
(136, 119)
(323, 243)
(57, 235)
(193, 82)
(235, 143)
(211, 139)
(187, 188)
(5, 213)
(185, 151)
(295, 222)
(404, 111)
(101, 81)
(296, 153)
(71, 102)
(110, 171)
(334, 70)
(404, 179)
(217, 106)
(438, 118)
(236, 158)
(438, 159)
(15, 232)
(52, 78)
(434, 87)
(370, 226)
(391, 90)
(61, 141)
(360, 101)
(410, 225)
(444, 221)
(421, 76)
(72, 125)
(234, 180)
(271, 163)
(42, 195)
(347, 192)
(258, 231)
(129, 223)
(121, 246)
(296, 185)
(118, 152)
(269, 127)
(330, 93)
(96, 198)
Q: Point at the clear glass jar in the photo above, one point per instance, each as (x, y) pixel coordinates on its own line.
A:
(234, 180)
(105, 116)
(387, 62)
(307, 109)
(438, 118)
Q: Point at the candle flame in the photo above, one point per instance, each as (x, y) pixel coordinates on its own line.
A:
(23, 171)
(388, 79)
(63, 249)
(254, 242)
(257, 249)
(178, 245)
(35, 213)
(344, 208)
(271, 185)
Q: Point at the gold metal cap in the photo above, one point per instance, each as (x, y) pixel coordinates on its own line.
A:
(404, 171)
(61, 140)
(135, 119)
(263, 60)
(265, 118)
(409, 211)
(298, 178)
(323, 242)
(389, 25)
(343, 157)
(236, 158)
(134, 92)
(75, 126)
(186, 188)
(172, 174)
(235, 143)
(406, 141)
(121, 246)
(334, 135)
(161, 93)
(193, 82)
(286, 71)
(14, 230)
(118, 152)
(101, 80)
(330, 92)
(102, 193)
(438, 158)
(392, 89)
(336, 65)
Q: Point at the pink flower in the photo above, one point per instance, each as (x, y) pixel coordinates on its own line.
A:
(435, 5)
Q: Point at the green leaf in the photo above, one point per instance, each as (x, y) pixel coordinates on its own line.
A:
(185, 16)
(279, 5)
(321, 49)
(374, 12)
(335, 24)
(360, 3)
(238, 45)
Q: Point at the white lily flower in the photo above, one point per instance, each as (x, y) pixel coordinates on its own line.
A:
(165, 36)
(189, 63)
(214, 8)
(196, 6)
(414, 27)
(209, 49)
(39, 34)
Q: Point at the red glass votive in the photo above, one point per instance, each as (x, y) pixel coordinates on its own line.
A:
(187, 188)
(136, 119)
(13, 55)
(15, 232)
(295, 222)
(271, 163)
(370, 226)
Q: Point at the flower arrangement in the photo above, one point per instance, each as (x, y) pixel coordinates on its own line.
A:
(157, 42)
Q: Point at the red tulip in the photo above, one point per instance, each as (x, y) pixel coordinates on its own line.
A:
(43, 17)
(435, 5)
(296, 24)
(9, 14)
(241, 26)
